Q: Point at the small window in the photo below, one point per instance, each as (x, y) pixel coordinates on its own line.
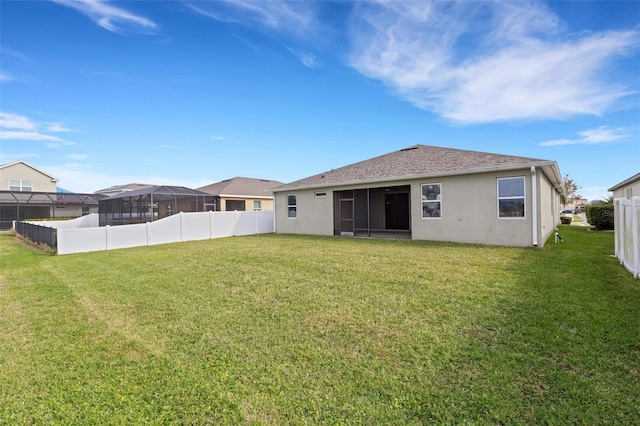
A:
(320, 194)
(511, 197)
(257, 205)
(629, 193)
(431, 200)
(292, 207)
(18, 185)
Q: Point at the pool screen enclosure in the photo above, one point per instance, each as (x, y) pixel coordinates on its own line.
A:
(149, 204)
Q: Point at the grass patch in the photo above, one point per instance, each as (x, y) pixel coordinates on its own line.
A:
(276, 329)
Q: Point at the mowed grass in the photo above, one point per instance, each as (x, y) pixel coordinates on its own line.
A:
(277, 329)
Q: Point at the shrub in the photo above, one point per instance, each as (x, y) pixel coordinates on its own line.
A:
(600, 216)
(566, 220)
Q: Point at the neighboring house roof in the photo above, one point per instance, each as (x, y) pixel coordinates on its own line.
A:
(421, 161)
(7, 165)
(159, 190)
(242, 187)
(123, 188)
(632, 179)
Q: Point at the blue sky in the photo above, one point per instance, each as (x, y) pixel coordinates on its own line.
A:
(192, 92)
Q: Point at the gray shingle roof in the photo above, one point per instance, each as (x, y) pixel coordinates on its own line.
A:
(413, 162)
(242, 186)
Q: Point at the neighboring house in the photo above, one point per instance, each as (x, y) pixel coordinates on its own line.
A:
(242, 194)
(152, 203)
(576, 203)
(428, 193)
(628, 188)
(29, 193)
(118, 189)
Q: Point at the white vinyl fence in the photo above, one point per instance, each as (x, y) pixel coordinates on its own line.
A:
(88, 221)
(176, 228)
(627, 233)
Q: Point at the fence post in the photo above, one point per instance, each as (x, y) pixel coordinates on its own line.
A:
(107, 235)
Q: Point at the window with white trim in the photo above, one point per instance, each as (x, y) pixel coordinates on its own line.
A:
(511, 199)
(19, 185)
(257, 205)
(292, 206)
(431, 200)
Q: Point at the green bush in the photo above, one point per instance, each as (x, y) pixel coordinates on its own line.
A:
(566, 220)
(600, 216)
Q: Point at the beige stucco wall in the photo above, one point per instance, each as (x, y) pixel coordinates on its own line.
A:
(549, 206)
(40, 182)
(315, 214)
(469, 211)
(266, 203)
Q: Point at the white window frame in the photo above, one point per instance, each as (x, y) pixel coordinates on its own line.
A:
(20, 185)
(438, 200)
(293, 206)
(512, 197)
(257, 203)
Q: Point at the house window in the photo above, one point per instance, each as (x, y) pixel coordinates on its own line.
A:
(431, 200)
(18, 185)
(233, 205)
(511, 197)
(320, 194)
(257, 205)
(629, 193)
(292, 206)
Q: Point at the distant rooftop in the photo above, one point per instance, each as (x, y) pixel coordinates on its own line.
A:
(241, 187)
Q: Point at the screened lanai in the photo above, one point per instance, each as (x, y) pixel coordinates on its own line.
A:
(149, 204)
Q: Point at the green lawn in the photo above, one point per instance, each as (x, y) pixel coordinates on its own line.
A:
(275, 329)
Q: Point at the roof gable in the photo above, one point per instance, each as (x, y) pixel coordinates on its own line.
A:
(241, 186)
(413, 162)
(8, 165)
(628, 181)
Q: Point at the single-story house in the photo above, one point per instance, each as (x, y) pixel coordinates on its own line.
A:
(428, 193)
(628, 188)
(242, 194)
(29, 193)
(152, 203)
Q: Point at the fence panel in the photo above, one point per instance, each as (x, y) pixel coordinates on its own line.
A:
(81, 240)
(125, 236)
(38, 233)
(176, 228)
(88, 221)
(195, 226)
(166, 230)
(222, 224)
(627, 230)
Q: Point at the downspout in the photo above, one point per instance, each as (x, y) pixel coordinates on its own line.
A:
(534, 206)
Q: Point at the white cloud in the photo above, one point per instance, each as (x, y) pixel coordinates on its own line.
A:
(78, 156)
(217, 138)
(602, 134)
(517, 62)
(295, 18)
(15, 127)
(110, 17)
